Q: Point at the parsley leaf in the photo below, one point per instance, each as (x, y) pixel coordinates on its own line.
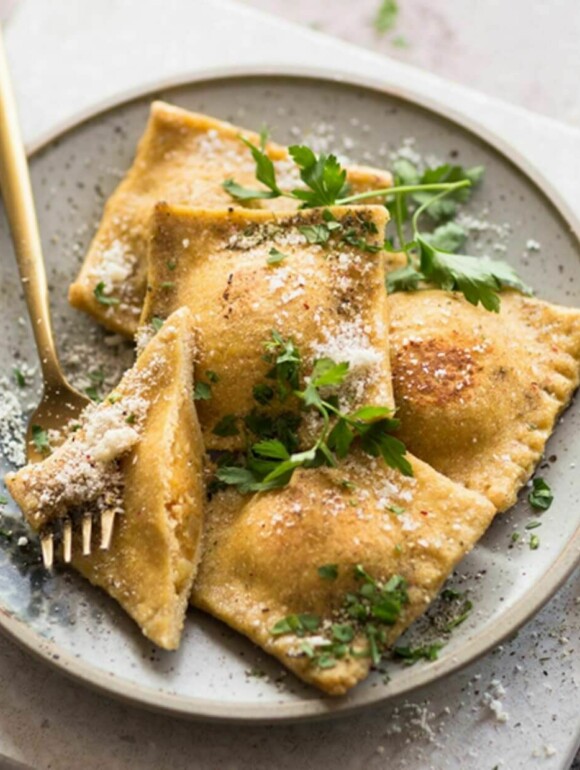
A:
(275, 256)
(478, 278)
(386, 16)
(19, 377)
(446, 207)
(449, 237)
(265, 173)
(323, 175)
(157, 323)
(540, 496)
(227, 426)
(328, 571)
(263, 393)
(100, 296)
(404, 279)
(412, 654)
(40, 439)
(202, 391)
(316, 234)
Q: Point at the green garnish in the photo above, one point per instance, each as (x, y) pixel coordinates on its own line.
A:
(131, 419)
(100, 296)
(437, 192)
(364, 614)
(227, 427)
(271, 463)
(412, 654)
(515, 537)
(464, 613)
(40, 439)
(396, 509)
(157, 323)
(296, 624)
(97, 378)
(275, 256)
(212, 376)
(265, 173)
(540, 496)
(534, 542)
(328, 571)
(263, 393)
(325, 181)
(386, 16)
(167, 284)
(202, 391)
(19, 377)
(324, 177)
(3, 500)
(533, 525)
(479, 279)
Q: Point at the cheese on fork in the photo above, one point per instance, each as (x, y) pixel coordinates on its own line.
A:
(138, 454)
(182, 158)
(325, 291)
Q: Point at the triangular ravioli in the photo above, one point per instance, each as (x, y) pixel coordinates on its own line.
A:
(244, 274)
(479, 393)
(140, 453)
(282, 556)
(182, 158)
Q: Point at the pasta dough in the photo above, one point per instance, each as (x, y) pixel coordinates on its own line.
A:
(478, 393)
(139, 453)
(328, 298)
(182, 158)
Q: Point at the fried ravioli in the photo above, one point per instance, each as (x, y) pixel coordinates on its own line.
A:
(478, 393)
(182, 158)
(139, 454)
(328, 296)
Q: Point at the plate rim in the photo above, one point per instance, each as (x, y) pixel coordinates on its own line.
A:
(322, 707)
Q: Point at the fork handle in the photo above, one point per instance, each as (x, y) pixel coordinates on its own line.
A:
(19, 204)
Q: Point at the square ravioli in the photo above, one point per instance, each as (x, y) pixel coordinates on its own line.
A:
(478, 393)
(316, 277)
(138, 454)
(326, 573)
(182, 158)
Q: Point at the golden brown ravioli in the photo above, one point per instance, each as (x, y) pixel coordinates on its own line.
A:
(182, 158)
(478, 393)
(138, 453)
(262, 555)
(328, 298)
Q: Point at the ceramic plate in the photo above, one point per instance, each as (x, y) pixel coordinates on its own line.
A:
(218, 674)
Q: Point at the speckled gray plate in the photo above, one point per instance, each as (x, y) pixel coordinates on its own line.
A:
(82, 632)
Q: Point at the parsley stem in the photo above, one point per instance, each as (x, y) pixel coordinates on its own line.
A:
(445, 187)
(400, 231)
(424, 206)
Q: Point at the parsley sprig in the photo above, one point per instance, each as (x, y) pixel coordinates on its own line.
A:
(479, 279)
(436, 192)
(270, 462)
(324, 181)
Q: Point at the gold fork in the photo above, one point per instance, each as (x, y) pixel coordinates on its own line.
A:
(60, 402)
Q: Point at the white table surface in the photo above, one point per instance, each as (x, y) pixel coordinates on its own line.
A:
(68, 54)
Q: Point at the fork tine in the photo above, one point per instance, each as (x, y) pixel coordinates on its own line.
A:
(87, 533)
(67, 541)
(47, 546)
(107, 522)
